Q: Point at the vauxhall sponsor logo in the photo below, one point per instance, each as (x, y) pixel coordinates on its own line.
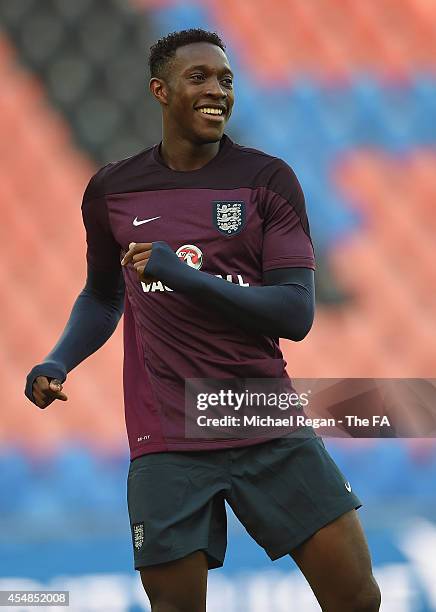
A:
(158, 286)
(192, 256)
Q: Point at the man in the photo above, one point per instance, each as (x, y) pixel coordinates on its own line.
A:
(185, 217)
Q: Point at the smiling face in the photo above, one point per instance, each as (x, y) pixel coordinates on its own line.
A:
(197, 94)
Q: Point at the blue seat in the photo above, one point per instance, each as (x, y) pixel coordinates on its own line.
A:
(76, 477)
(179, 16)
(15, 479)
(366, 95)
(424, 91)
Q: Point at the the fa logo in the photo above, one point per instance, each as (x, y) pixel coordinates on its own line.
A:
(228, 216)
(190, 255)
(138, 535)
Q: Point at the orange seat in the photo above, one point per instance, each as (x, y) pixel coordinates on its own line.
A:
(335, 38)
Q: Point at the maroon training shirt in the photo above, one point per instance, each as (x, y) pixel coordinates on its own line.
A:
(243, 213)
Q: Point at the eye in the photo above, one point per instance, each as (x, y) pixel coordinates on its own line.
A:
(197, 77)
(228, 81)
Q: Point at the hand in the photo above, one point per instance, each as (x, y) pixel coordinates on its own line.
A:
(139, 253)
(45, 391)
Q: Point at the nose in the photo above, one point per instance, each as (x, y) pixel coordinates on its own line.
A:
(215, 89)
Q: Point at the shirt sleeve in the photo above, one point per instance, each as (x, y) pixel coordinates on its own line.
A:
(287, 242)
(103, 251)
(284, 310)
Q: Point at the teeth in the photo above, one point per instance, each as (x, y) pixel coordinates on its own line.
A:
(211, 111)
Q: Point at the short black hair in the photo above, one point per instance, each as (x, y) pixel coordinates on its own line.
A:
(165, 48)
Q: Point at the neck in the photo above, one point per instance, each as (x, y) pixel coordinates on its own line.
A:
(180, 154)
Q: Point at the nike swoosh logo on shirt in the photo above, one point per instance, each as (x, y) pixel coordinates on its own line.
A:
(137, 222)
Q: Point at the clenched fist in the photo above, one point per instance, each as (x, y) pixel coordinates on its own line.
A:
(45, 391)
(139, 253)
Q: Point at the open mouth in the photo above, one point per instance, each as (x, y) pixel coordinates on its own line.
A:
(212, 113)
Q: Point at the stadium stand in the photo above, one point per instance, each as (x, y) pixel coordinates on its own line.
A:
(91, 58)
(353, 84)
(43, 178)
(355, 195)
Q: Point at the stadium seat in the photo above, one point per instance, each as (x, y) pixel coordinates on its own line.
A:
(348, 104)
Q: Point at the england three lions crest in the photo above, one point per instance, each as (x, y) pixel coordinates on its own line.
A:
(228, 216)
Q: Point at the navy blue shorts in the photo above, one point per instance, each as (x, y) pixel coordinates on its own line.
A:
(283, 491)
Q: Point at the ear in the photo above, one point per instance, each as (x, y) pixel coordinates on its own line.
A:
(159, 90)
